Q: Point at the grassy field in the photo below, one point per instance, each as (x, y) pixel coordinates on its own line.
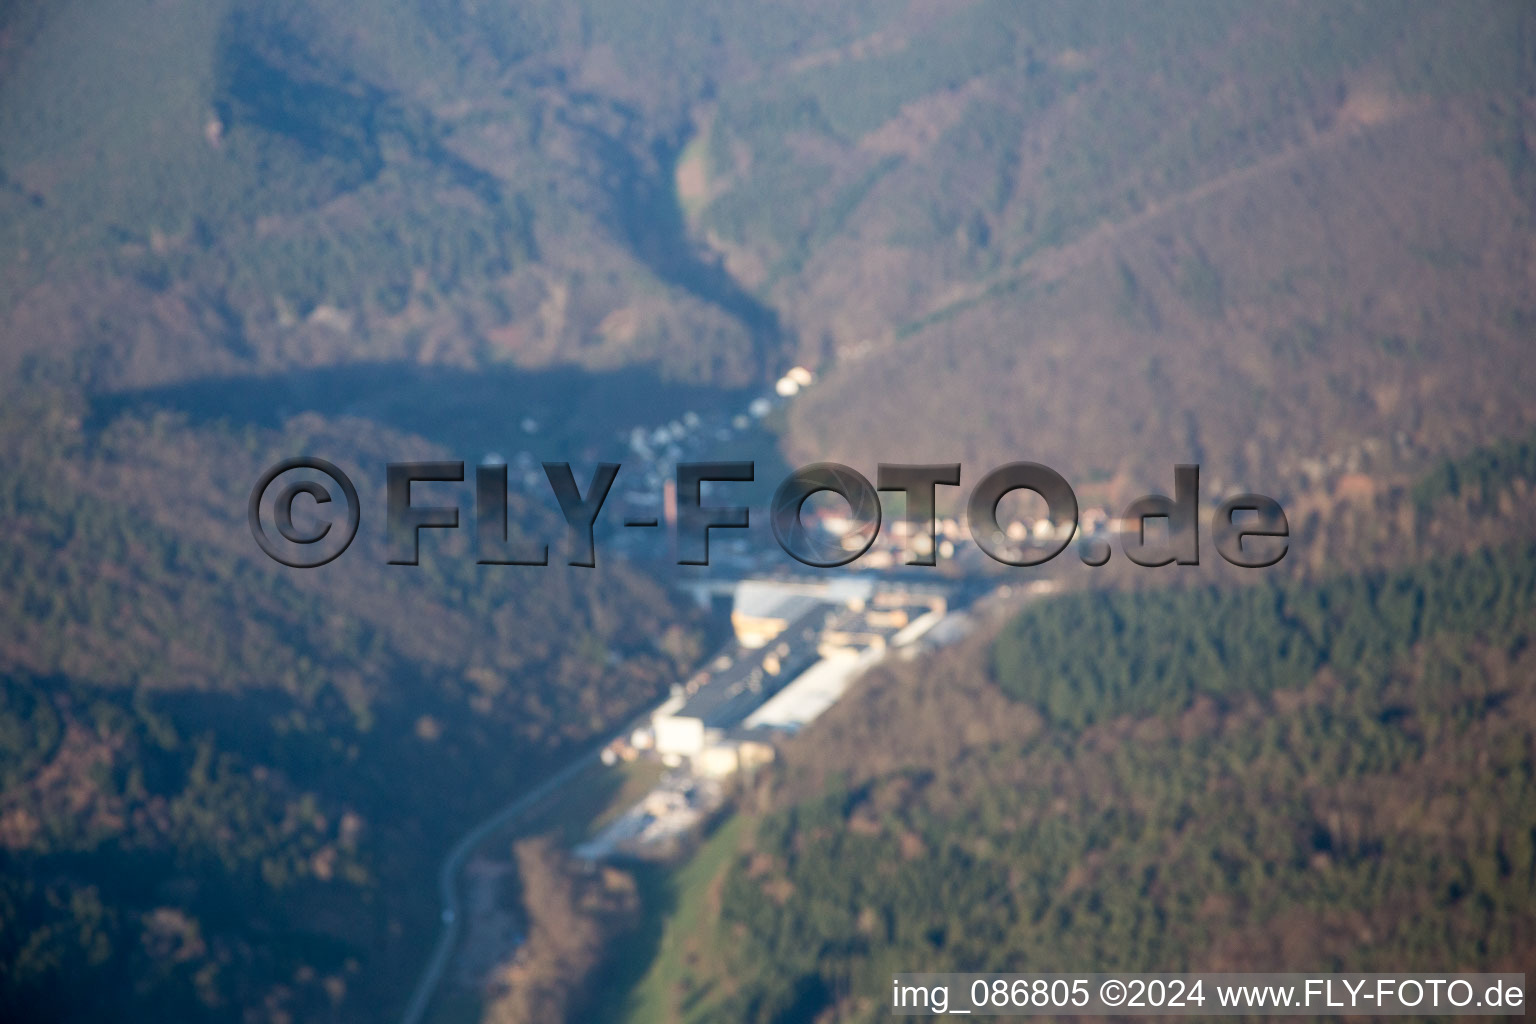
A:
(651, 972)
(595, 797)
(592, 800)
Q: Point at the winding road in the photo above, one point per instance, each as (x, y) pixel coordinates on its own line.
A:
(448, 875)
(453, 863)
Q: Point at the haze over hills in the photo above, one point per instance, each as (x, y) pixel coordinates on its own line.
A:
(1310, 228)
(1291, 242)
(953, 206)
(1290, 780)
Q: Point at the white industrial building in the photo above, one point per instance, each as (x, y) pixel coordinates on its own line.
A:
(734, 685)
(782, 629)
(816, 689)
(762, 609)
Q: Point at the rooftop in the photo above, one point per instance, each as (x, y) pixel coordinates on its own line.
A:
(736, 689)
(817, 689)
(785, 607)
(760, 598)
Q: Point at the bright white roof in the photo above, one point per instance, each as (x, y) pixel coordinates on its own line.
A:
(812, 692)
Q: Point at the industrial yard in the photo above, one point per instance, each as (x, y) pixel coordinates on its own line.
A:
(796, 647)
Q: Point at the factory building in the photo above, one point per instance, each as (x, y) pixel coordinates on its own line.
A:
(808, 643)
(784, 627)
(816, 690)
(735, 684)
(763, 609)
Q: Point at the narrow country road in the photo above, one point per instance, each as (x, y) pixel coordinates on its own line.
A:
(448, 875)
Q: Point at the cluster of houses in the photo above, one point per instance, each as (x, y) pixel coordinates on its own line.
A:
(897, 538)
(654, 451)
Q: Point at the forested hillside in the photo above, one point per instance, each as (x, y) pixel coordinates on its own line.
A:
(1288, 245)
(1290, 242)
(1274, 239)
(233, 187)
(1332, 777)
(226, 785)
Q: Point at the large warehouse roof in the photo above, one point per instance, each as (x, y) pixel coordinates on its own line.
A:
(762, 598)
(732, 692)
(817, 689)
